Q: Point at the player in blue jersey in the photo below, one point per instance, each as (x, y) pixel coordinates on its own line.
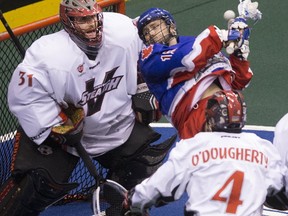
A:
(184, 71)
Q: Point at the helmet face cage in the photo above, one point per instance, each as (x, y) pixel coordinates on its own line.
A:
(156, 14)
(72, 9)
(226, 111)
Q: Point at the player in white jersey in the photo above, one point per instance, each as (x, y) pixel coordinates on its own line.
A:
(281, 138)
(223, 170)
(280, 200)
(90, 65)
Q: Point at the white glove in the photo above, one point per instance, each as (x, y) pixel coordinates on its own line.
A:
(248, 9)
(238, 23)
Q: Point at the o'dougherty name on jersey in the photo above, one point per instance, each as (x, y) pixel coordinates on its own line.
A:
(230, 153)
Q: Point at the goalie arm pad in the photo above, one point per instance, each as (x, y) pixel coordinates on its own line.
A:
(144, 104)
(70, 132)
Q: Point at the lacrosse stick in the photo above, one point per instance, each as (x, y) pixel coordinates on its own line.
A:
(246, 10)
(108, 197)
(12, 35)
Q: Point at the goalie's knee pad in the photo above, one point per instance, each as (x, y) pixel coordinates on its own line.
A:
(141, 165)
(32, 194)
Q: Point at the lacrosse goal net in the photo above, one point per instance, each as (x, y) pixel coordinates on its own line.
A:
(9, 59)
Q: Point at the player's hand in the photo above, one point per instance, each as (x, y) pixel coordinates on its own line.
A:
(240, 24)
(229, 36)
(127, 210)
(70, 132)
(242, 49)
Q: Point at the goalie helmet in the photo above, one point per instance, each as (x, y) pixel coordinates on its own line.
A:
(226, 111)
(155, 14)
(86, 11)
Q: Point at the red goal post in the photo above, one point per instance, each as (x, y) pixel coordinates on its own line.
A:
(9, 59)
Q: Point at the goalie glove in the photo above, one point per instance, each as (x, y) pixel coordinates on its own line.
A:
(70, 132)
(144, 104)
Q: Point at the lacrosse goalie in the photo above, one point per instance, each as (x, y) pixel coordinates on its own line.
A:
(91, 65)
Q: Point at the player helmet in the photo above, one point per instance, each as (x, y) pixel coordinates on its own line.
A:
(155, 14)
(87, 11)
(226, 111)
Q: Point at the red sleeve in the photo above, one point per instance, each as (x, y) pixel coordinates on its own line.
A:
(206, 45)
(243, 72)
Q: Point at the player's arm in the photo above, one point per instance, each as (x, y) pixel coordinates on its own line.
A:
(238, 58)
(277, 194)
(206, 45)
(35, 99)
(167, 184)
(243, 73)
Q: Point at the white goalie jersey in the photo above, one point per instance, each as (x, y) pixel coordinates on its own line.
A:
(55, 72)
(222, 173)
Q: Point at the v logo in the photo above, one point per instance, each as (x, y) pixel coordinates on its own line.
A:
(92, 67)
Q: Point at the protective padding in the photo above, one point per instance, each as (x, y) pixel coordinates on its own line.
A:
(142, 164)
(32, 194)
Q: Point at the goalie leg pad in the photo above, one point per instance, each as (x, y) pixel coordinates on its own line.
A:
(143, 164)
(31, 194)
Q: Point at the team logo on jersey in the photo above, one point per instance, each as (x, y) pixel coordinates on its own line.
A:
(92, 67)
(94, 95)
(146, 51)
(80, 68)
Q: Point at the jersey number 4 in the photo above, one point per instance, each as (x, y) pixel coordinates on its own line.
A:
(234, 198)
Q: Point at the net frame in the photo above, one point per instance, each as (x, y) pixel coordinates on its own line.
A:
(9, 59)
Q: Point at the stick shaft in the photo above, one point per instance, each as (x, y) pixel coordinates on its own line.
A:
(12, 35)
(88, 162)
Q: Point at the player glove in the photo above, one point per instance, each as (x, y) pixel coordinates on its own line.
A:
(249, 10)
(127, 210)
(230, 35)
(144, 104)
(70, 132)
(242, 49)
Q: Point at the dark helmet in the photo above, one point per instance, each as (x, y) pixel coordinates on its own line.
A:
(69, 10)
(151, 15)
(226, 111)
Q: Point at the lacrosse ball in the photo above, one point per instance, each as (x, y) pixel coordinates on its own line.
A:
(229, 14)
